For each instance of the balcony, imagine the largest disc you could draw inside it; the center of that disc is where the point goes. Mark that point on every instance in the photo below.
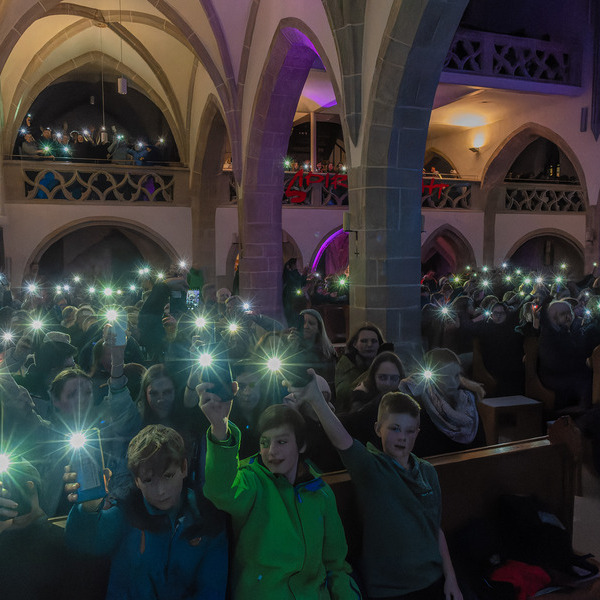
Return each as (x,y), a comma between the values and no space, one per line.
(56,182)
(504,61)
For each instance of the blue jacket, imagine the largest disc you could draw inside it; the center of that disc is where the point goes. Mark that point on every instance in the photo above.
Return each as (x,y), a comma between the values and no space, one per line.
(155,555)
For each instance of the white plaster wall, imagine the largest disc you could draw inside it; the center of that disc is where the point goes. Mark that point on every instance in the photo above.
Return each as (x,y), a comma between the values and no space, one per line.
(512,228)
(308,227)
(469,223)
(27,225)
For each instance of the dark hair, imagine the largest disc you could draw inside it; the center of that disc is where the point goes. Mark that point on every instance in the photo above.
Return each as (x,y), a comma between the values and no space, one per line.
(279,415)
(366,326)
(157,443)
(398,403)
(370,382)
(58,383)
(152,374)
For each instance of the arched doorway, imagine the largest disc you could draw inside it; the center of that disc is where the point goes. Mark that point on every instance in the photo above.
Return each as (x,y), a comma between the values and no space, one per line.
(108,252)
(446,251)
(332,255)
(546,252)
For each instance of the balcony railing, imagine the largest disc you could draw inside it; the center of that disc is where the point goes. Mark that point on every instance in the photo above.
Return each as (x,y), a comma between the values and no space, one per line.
(544,198)
(66,182)
(495,55)
(303,188)
(445,193)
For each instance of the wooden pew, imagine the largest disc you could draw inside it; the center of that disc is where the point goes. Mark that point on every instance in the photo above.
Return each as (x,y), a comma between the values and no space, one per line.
(473,480)
(533,386)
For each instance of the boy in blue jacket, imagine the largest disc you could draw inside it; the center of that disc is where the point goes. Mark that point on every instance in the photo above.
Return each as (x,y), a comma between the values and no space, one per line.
(165,542)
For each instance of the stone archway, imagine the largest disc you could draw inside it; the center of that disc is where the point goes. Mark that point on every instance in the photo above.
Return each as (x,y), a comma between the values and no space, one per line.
(544,250)
(493,186)
(446,250)
(90,243)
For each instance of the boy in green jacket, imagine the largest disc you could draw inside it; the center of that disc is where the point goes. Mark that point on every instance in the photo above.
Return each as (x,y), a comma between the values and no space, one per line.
(289,540)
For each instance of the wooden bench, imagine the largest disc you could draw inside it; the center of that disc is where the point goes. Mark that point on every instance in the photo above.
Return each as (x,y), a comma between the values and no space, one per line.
(472,481)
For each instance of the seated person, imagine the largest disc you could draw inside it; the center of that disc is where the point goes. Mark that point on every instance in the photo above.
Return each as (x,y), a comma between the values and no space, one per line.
(449,421)
(163,540)
(289,540)
(404,551)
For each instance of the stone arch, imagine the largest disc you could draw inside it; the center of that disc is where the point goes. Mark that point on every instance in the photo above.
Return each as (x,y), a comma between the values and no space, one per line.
(573,243)
(291,55)
(494,172)
(432,152)
(451,245)
(323,244)
(507,151)
(79,224)
(209,184)
(385,193)
(111,65)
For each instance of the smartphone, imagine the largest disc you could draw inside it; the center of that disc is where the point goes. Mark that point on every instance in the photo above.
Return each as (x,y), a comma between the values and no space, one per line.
(177,302)
(15,483)
(192,299)
(215,369)
(87,460)
(119,325)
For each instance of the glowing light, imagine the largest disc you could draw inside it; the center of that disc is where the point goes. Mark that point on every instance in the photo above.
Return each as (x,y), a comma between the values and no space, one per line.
(484,269)
(36,324)
(233,327)
(144,271)
(298,292)
(558,279)
(588,312)
(66,287)
(119,292)
(107,291)
(111,315)
(468,267)
(518,271)
(343,281)
(58,289)
(246,306)
(427,374)
(468,120)
(77,279)
(160,275)
(539,280)
(32,288)
(92,290)
(161,140)
(287,163)
(444,310)
(527,280)
(504,265)
(132,288)
(77,441)
(595,264)
(183,264)
(487,313)
(274,364)
(4,462)
(23,131)
(200,322)
(46,148)
(86,132)
(485,283)
(563,266)
(508,278)
(205,359)
(7,336)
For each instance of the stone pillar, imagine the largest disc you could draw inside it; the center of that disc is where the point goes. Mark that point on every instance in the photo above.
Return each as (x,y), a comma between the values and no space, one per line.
(385,273)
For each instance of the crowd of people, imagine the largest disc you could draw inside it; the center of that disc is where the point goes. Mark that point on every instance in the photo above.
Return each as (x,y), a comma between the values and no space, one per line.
(85,145)
(216,423)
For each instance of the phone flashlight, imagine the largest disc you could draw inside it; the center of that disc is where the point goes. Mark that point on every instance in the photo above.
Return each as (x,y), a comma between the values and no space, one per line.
(87,461)
(14,481)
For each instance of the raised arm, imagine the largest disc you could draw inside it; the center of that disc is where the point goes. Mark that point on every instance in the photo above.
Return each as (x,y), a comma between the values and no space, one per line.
(332,426)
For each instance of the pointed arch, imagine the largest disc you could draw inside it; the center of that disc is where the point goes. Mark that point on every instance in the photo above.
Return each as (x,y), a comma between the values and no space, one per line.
(451,244)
